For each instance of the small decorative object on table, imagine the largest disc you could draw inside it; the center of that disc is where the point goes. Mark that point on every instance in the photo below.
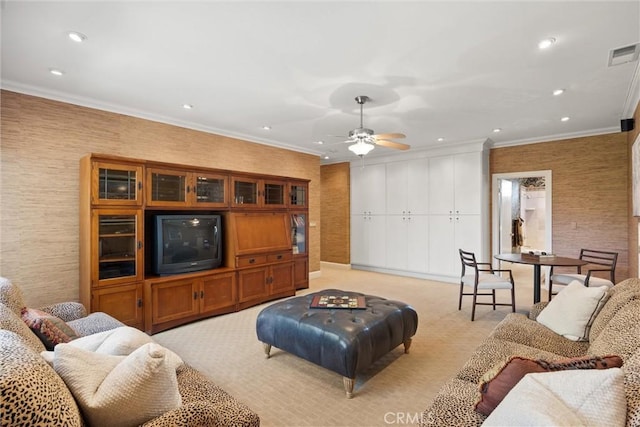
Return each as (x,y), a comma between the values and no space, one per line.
(338,301)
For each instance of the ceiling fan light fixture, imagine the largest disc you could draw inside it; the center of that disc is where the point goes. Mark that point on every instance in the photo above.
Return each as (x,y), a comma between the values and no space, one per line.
(361,148)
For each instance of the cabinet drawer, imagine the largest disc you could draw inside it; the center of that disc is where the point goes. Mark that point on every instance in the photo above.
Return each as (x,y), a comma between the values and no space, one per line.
(279,257)
(250,260)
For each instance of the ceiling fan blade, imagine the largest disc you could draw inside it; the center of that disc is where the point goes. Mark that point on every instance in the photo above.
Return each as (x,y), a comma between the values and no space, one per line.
(392,144)
(390,136)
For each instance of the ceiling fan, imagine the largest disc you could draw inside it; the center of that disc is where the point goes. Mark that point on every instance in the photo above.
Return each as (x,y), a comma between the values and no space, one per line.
(364,140)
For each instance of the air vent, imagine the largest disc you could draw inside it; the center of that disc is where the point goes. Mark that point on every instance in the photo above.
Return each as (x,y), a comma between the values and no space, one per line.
(625,54)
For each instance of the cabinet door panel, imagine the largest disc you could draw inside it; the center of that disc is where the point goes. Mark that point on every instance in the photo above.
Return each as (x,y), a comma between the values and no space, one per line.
(442,251)
(174,300)
(209,190)
(359,240)
(468,235)
(218,292)
(116,184)
(122,302)
(301,272)
(441,185)
(167,187)
(252,284)
(282,278)
(396,242)
(397,188)
(116,246)
(418,243)
(368,189)
(417,186)
(468,183)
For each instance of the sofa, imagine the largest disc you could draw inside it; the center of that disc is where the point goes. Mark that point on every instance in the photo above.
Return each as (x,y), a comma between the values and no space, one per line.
(32,379)
(613,329)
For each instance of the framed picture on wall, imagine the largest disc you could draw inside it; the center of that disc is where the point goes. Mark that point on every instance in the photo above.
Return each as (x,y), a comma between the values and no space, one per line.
(635,175)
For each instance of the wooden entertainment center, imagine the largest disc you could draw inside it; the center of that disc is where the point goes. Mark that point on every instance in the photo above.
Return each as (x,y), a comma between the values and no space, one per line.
(264,248)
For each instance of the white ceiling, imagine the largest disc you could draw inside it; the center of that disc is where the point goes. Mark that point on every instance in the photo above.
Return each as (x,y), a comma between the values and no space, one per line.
(453,69)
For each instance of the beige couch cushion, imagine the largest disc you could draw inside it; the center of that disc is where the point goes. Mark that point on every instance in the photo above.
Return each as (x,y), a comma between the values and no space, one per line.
(119,390)
(622,334)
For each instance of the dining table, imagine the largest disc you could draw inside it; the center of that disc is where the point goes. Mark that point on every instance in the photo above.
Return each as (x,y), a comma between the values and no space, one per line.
(538,261)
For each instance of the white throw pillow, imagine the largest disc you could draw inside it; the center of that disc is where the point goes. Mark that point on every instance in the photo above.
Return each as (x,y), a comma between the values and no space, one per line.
(593,397)
(119,391)
(120,341)
(573,310)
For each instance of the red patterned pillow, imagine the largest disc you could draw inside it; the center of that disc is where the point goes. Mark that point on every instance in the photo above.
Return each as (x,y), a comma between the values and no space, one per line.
(50,329)
(499,381)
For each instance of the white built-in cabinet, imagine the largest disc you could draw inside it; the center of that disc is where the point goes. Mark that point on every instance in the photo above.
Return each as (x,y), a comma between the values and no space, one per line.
(407,225)
(412,215)
(368,242)
(455,203)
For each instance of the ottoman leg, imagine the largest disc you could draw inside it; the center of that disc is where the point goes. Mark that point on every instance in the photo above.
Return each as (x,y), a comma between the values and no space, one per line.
(267,349)
(407,345)
(348,386)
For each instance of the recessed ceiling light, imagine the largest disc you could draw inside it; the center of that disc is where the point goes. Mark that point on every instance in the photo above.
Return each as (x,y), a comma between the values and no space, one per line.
(565,119)
(497,130)
(187,106)
(546,43)
(266,127)
(558,92)
(76,36)
(440,139)
(56,72)
(326,157)
(319,142)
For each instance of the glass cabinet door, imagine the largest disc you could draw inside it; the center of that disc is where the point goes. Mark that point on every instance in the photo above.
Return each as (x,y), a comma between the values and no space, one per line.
(210,189)
(244,192)
(299,233)
(298,194)
(116,184)
(166,187)
(117,257)
(273,193)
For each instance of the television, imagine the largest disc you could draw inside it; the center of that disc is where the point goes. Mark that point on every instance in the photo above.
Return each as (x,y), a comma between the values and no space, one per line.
(186,243)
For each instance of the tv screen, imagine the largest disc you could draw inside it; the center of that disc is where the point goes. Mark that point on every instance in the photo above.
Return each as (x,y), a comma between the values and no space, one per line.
(186,243)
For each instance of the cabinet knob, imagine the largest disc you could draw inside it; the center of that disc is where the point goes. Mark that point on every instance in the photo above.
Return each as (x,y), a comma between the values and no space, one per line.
(139,302)
(139,245)
(139,185)
(279,257)
(252,260)
(201,294)
(195,295)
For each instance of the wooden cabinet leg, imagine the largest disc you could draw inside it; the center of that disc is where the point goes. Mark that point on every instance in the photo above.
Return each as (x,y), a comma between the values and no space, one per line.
(348,386)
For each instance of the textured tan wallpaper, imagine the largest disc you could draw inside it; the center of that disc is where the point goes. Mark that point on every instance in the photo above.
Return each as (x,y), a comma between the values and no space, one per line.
(590,188)
(334,193)
(634,258)
(42,143)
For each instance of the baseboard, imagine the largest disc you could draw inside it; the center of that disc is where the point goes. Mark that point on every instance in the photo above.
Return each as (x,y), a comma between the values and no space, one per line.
(335,265)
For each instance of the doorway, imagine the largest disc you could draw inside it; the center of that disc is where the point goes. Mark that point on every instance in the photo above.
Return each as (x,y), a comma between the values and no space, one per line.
(521,214)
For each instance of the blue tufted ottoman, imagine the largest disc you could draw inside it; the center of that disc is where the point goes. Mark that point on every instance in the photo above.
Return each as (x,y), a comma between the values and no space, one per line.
(346,341)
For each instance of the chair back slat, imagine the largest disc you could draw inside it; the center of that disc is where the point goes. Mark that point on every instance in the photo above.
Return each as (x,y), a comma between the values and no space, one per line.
(601,259)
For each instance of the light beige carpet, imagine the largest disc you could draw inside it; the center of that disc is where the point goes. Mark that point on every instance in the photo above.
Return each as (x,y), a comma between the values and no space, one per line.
(287,391)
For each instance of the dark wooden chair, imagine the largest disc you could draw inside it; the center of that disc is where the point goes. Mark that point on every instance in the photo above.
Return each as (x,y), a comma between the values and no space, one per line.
(483,277)
(599,262)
